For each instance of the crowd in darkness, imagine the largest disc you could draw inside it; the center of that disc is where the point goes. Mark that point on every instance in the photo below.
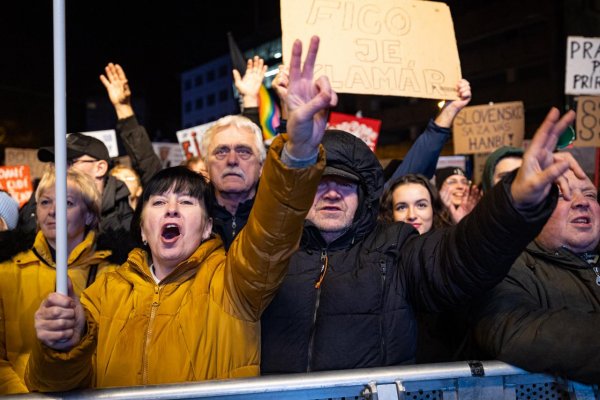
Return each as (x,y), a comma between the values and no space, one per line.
(298,257)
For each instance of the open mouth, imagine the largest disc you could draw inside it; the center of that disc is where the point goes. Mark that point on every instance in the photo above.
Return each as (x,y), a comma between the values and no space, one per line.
(170,231)
(581,220)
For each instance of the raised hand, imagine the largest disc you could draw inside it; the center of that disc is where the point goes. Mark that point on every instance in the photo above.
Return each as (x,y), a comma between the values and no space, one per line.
(470,199)
(541,166)
(249,85)
(280,84)
(60,321)
(117,87)
(451,108)
(308,102)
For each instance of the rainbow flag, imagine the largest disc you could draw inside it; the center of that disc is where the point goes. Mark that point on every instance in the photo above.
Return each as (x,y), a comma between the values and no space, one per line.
(268,113)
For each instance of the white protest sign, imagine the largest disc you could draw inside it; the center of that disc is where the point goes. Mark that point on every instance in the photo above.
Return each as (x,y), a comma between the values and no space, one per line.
(482,129)
(387,47)
(583,66)
(108,137)
(190,140)
(169,153)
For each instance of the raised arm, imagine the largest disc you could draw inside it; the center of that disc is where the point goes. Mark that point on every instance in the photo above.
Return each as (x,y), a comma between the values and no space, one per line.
(133,135)
(476,254)
(249,85)
(257,260)
(423,155)
(280,85)
(117,88)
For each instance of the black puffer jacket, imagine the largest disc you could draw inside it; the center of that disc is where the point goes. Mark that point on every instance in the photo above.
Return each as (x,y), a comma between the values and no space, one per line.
(362,314)
(545,315)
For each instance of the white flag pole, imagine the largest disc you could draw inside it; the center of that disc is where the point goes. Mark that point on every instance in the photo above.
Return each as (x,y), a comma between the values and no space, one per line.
(60,145)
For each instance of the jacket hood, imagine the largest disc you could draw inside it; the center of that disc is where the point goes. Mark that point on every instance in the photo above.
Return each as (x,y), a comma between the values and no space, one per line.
(487,179)
(346,152)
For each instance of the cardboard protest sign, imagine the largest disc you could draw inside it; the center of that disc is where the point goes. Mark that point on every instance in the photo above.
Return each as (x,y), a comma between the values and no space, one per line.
(190,140)
(17,156)
(583,66)
(588,122)
(386,47)
(482,129)
(366,129)
(109,138)
(16,180)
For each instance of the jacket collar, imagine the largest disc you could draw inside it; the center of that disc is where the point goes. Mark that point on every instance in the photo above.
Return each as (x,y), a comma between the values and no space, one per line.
(139,261)
(564,257)
(83,254)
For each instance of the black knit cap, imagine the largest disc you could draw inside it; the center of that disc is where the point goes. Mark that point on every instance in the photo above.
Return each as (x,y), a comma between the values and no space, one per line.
(444,173)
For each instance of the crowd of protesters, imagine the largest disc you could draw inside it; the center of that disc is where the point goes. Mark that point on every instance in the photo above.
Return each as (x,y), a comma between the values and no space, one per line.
(298,257)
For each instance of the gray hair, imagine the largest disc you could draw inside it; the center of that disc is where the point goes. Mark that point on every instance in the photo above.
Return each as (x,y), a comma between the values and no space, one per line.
(239,122)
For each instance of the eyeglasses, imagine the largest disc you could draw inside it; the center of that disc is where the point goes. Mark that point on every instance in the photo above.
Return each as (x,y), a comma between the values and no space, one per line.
(70,163)
(243,152)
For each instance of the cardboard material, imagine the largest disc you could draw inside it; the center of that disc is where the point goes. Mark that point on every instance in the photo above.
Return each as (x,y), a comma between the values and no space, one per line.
(482,129)
(386,47)
(588,122)
(582,74)
(366,129)
(190,140)
(16,180)
(18,156)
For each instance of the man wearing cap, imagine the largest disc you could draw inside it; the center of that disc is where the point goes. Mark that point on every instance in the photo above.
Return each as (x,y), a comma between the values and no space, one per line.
(349,297)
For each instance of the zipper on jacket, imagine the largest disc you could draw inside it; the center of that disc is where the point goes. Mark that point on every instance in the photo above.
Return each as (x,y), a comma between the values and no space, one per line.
(383,267)
(145,362)
(311,342)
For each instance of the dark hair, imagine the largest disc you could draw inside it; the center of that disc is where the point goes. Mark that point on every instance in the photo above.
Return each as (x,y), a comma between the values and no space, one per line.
(441,216)
(179,179)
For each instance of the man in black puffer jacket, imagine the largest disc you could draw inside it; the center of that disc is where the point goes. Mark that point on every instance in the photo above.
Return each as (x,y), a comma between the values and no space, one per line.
(349,297)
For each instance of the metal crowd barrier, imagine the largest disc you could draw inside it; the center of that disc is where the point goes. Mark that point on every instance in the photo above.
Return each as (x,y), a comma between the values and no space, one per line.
(445,381)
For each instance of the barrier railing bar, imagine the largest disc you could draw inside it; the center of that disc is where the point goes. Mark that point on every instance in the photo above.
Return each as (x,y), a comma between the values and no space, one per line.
(316,382)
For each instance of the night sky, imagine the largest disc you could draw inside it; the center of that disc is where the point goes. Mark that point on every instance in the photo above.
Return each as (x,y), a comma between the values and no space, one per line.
(153,41)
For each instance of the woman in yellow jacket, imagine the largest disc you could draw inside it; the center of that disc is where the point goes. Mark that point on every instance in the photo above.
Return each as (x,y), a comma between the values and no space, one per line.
(30,276)
(182,309)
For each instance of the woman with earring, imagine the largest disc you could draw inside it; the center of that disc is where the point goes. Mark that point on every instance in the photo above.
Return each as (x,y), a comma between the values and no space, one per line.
(30,276)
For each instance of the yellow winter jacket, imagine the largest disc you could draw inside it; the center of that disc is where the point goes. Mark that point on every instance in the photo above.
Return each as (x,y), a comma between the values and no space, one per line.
(200,322)
(25,281)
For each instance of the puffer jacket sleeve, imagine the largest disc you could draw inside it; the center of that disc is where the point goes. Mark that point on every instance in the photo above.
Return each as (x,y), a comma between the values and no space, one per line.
(10,382)
(258,258)
(447,267)
(423,155)
(511,325)
(139,148)
(49,370)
